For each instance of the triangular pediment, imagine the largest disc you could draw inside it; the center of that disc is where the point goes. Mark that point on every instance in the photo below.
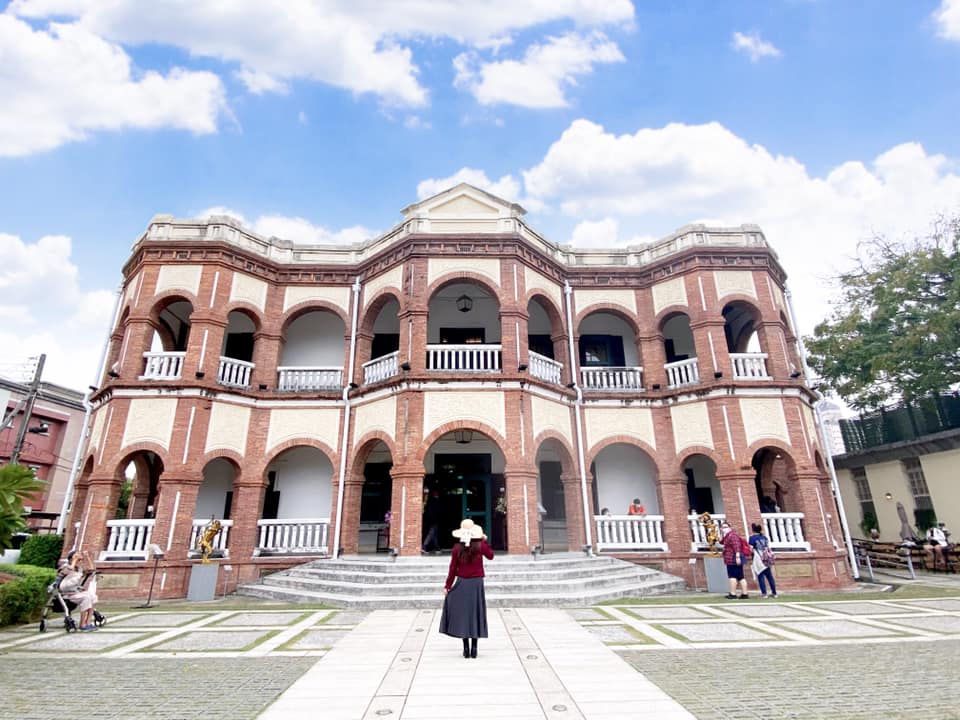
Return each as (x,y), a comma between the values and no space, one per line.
(465,205)
(464,201)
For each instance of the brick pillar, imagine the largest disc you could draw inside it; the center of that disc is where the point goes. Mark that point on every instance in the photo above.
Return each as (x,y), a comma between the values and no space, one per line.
(203,347)
(176,501)
(266,359)
(673,506)
(711,344)
(513,324)
(414,351)
(139,337)
(653,356)
(246,510)
(573,506)
(778,365)
(407,509)
(350,524)
(100,505)
(805,484)
(733,487)
(523,528)
(364,350)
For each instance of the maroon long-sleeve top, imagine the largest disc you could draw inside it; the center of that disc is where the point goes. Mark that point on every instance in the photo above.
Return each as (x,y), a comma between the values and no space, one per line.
(467,569)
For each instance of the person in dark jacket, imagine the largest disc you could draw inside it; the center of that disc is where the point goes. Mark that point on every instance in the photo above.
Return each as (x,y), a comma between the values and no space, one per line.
(431,521)
(733,558)
(464,603)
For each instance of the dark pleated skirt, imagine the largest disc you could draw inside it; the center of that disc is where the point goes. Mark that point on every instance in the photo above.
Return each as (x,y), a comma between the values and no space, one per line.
(465,610)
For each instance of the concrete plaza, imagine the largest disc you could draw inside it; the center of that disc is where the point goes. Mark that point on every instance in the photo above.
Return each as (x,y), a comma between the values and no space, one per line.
(856,658)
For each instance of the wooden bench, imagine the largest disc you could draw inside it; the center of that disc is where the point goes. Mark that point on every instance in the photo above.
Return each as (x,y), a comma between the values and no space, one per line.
(889,556)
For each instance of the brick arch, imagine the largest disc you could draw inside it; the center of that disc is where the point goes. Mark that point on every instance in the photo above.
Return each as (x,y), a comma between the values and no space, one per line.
(308,306)
(462,276)
(363,446)
(719,461)
(786,451)
(119,460)
(237,460)
(251,311)
(372,308)
(161,300)
(590,456)
(278,450)
(567,455)
(610,309)
(482,428)
(554,313)
(662,317)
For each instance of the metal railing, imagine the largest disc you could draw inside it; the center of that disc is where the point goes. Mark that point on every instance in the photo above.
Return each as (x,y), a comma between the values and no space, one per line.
(307,536)
(544,368)
(749,366)
(901,422)
(629,532)
(128,539)
(381,368)
(300,379)
(464,358)
(163,365)
(612,378)
(682,372)
(235,373)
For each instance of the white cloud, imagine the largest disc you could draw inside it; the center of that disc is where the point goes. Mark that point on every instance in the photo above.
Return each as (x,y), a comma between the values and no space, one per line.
(541,78)
(295,229)
(302,118)
(754,46)
(415,122)
(45,311)
(947,17)
(659,179)
(352,45)
(61,84)
(506,187)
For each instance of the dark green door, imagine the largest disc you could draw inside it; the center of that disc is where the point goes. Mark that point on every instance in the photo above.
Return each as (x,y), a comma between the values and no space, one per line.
(464,485)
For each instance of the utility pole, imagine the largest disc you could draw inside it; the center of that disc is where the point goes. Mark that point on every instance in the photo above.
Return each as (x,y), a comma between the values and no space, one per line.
(27,410)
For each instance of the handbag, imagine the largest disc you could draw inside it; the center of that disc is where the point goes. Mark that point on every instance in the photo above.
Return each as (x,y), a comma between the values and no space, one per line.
(767,556)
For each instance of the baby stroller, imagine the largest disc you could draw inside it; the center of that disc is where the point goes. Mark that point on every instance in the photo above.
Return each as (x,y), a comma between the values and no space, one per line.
(57,603)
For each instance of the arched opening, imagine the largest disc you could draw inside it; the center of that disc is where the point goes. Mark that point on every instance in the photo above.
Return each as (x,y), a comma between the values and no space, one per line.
(297,504)
(312,355)
(544,342)
(171,335)
(781,505)
(703,488)
(466,468)
(375,500)
(384,361)
(680,351)
(740,321)
(139,487)
(609,359)
(550,493)
(214,502)
(621,474)
(236,352)
(463,329)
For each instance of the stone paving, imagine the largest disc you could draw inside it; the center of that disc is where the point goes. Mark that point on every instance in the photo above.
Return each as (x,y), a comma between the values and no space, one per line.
(753,659)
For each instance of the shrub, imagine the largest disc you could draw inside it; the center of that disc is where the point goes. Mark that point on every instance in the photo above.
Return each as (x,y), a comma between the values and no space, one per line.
(22,599)
(41,551)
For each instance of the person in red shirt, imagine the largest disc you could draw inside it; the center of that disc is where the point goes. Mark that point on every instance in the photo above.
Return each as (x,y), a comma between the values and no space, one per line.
(733,557)
(464,603)
(636,508)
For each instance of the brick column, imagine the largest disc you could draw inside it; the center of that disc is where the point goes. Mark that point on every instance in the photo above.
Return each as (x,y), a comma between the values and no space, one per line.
(733,487)
(414,351)
(521,519)
(203,347)
(350,524)
(778,365)
(100,505)
(513,324)
(406,507)
(573,506)
(805,484)
(176,501)
(266,359)
(703,332)
(139,337)
(673,506)
(246,510)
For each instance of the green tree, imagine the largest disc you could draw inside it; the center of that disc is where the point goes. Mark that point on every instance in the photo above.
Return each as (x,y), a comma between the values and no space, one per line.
(894,332)
(17,483)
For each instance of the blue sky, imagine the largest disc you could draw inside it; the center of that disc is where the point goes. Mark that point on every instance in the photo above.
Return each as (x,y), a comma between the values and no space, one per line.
(612,122)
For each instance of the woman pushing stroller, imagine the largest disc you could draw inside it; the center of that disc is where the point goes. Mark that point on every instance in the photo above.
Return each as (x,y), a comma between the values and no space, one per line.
(73,572)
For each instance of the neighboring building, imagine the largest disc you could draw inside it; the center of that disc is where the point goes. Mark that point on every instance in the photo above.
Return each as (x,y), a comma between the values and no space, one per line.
(300,393)
(905,456)
(49,453)
(831,414)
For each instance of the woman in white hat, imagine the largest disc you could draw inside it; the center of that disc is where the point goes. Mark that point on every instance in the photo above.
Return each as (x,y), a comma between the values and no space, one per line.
(464,603)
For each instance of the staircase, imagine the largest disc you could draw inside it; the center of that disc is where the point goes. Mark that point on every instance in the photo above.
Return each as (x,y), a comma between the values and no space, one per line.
(378,582)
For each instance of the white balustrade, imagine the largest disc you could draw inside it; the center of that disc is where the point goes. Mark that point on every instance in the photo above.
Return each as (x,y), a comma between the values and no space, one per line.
(682,372)
(544,368)
(219,542)
(699,534)
(612,378)
(749,366)
(128,539)
(785,531)
(235,373)
(300,379)
(629,532)
(464,358)
(162,365)
(293,536)
(381,368)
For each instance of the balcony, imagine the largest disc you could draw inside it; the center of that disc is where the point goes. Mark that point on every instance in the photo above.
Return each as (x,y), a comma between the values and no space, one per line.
(612,378)
(543,368)
(749,366)
(381,368)
(163,365)
(682,373)
(234,373)
(128,539)
(306,379)
(624,533)
(464,358)
(293,537)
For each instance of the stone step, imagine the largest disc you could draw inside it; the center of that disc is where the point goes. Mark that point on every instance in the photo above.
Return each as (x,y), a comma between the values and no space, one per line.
(562,579)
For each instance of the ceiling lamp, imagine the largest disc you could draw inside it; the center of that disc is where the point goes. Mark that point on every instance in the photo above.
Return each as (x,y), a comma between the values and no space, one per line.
(462,437)
(464,303)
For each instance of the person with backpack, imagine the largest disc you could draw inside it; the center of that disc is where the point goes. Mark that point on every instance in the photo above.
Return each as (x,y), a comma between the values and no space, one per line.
(735,554)
(763,559)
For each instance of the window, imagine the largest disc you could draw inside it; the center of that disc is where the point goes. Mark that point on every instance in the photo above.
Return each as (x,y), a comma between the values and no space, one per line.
(917,483)
(862,487)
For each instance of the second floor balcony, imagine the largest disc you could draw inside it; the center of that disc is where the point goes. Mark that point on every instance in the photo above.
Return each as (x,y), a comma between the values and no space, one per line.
(464,358)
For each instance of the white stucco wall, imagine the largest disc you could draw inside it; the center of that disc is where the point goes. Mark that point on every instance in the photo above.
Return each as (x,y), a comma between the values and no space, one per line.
(622,473)
(606,324)
(304,478)
(217,481)
(315,339)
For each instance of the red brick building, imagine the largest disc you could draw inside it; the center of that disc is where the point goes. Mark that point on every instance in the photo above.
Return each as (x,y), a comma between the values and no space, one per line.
(300,393)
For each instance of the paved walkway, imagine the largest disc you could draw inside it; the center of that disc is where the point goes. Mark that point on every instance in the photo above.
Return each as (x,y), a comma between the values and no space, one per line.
(851,659)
